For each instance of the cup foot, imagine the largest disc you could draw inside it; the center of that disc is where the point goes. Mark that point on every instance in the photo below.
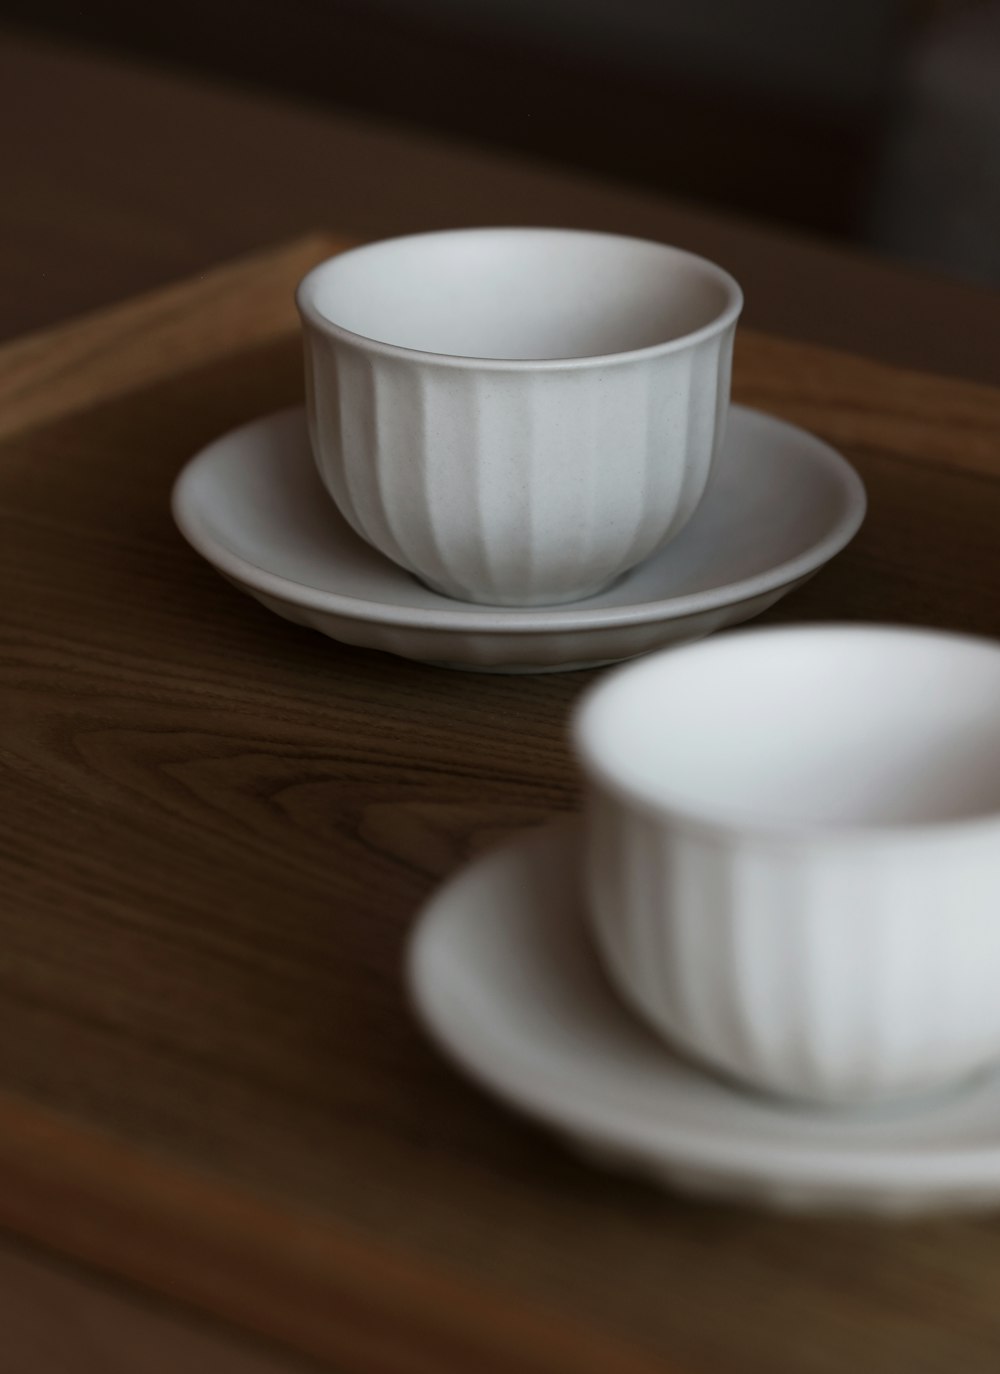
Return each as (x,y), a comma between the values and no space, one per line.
(518,603)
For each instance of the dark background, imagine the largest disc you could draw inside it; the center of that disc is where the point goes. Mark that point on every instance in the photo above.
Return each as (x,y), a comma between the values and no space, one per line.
(871,121)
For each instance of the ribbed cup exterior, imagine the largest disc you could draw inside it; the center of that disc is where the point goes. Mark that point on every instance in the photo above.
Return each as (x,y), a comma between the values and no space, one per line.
(839,970)
(516,486)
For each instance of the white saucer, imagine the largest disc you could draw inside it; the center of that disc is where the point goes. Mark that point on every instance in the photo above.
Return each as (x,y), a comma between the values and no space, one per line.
(780,505)
(502,975)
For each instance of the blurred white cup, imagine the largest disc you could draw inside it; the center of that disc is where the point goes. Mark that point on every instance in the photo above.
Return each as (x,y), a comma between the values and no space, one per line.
(793,854)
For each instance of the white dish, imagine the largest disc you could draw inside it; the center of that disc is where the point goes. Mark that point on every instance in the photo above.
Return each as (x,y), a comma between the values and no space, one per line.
(781,504)
(504,978)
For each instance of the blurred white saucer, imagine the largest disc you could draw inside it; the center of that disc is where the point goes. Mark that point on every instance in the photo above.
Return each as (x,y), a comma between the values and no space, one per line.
(503,977)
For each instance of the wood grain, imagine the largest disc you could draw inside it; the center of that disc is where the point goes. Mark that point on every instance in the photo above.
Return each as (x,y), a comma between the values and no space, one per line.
(216,830)
(857,402)
(319,1288)
(57,1319)
(57,371)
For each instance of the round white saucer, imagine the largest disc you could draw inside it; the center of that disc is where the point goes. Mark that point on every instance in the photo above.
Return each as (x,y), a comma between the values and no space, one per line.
(502,975)
(780,504)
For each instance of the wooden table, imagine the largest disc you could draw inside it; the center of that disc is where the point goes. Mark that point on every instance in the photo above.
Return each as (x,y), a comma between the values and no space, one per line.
(224,1146)
(217,828)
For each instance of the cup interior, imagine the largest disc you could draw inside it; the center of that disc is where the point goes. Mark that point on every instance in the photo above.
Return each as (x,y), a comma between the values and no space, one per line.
(528,294)
(806,727)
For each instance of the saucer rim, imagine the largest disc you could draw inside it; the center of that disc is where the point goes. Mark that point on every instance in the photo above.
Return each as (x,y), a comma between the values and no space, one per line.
(469,617)
(840,1172)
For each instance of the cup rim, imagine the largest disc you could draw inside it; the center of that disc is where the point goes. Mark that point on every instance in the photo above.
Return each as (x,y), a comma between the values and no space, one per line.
(311,314)
(600,772)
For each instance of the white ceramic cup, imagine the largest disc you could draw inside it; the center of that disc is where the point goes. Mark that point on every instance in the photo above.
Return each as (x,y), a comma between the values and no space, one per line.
(517,416)
(793,854)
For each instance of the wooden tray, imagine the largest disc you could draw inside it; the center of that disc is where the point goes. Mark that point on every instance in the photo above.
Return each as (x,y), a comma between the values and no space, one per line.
(216,829)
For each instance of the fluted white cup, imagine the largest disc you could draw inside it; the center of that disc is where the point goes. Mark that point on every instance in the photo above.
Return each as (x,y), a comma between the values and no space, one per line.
(793,854)
(517,416)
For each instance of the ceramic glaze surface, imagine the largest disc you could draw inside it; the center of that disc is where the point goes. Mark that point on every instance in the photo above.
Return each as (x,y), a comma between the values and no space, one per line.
(779,506)
(517,416)
(504,977)
(794,854)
